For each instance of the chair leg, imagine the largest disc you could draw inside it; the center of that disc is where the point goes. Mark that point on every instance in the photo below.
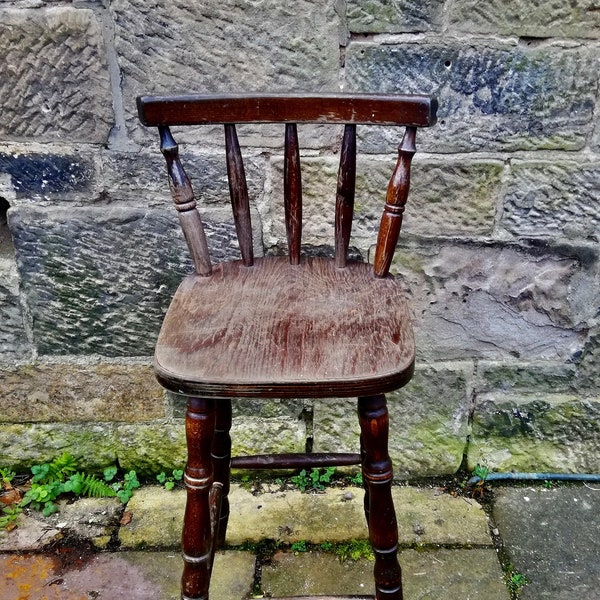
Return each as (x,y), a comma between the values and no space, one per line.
(364,480)
(221,458)
(377,472)
(197,539)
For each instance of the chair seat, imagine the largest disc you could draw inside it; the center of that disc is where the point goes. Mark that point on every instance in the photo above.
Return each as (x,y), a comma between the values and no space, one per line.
(278,330)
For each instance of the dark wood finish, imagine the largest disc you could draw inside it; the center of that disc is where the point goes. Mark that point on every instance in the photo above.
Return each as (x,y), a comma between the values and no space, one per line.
(183,197)
(397,195)
(197,109)
(292,186)
(297,328)
(344,205)
(221,459)
(377,472)
(197,533)
(291,332)
(238,190)
(295,461)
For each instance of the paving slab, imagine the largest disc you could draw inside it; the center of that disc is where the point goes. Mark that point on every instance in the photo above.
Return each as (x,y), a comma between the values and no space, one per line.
(425,516)
(449,574)
(552,536)
(118,576)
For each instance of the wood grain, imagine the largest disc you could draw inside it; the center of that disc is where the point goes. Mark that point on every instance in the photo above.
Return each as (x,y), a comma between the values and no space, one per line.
(197,109)
(277,330)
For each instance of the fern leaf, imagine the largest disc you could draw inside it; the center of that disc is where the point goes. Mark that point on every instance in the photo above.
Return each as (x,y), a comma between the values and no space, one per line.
(96,488)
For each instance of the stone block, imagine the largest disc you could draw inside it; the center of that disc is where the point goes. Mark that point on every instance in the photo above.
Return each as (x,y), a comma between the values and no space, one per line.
(152,447)
(157,446)
(497,301)
(39,177)
(538,19)
(428,423)
(536,433)
(502,97)
(455,198)
(558,198)
(69,393)
(512,376)
(391,16)
(25,444)
(142,177)
(588,369)
(55,77)
(13,338)
(225,45)
(98,280)
(551,536)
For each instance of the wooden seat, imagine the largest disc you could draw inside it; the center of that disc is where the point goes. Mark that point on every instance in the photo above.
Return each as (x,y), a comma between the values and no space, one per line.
(286,327)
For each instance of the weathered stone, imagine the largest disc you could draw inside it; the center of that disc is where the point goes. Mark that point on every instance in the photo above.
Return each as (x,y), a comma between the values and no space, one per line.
(156,519)
(160,445)
(226,45)
(232,576)
(142,177)
(450,199)
(93,519)
(510,376)
(98,280)
(55,82)
(41,177)
(254,407)
(451,574)
(553,198)
(150,448)
(259,435)
(502,97)
(31,534)
(391,16)
(13,339)
(541,19)
(497,301)
(588,372)
(536,432)
(551,536)
(428,423)
(24,445)
(76,393)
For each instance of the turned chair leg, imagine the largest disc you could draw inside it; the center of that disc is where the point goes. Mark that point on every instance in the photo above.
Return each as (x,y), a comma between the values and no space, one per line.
(197,540)
(221,458)
(377,473)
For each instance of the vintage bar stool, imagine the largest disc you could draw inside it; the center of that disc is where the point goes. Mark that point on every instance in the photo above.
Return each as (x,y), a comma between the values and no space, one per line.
(285,327)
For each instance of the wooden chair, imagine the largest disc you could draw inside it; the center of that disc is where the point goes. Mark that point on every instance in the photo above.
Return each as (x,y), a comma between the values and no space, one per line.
(285,327)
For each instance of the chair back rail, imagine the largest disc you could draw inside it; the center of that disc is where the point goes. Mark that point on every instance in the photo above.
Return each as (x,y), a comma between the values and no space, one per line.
(408,111)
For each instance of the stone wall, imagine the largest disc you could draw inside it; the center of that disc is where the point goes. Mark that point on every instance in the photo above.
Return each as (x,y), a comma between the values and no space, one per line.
(500,250)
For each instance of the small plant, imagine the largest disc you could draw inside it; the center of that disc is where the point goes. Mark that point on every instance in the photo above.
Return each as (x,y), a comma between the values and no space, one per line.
(514,580)
(298,547)
(481,472)
(9,515)
(313,480)
(356,479)
(354,550)
(326,546)
(169,480)
(60,476)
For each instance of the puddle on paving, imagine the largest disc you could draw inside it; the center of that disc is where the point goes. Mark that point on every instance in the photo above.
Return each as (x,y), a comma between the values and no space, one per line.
(73,574)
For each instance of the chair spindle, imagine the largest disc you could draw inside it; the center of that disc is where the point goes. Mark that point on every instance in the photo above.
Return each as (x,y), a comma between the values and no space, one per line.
(183,197)
(397,194)
(344,206)
(292,192)
(238,190)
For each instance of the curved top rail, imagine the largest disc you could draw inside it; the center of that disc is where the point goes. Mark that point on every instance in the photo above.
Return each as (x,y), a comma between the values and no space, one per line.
(379,109)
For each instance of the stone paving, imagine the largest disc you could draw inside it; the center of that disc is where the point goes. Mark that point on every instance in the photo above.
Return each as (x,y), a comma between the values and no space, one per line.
(450,547)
